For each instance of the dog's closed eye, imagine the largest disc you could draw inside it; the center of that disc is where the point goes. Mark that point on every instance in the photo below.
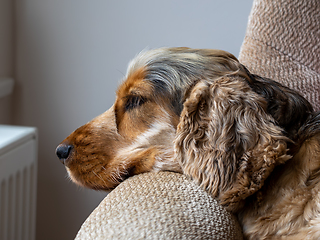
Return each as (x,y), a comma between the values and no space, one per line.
(134,101)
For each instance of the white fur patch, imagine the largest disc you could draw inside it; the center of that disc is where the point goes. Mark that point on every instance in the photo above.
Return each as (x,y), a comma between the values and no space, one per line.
(161,135)
(149,138)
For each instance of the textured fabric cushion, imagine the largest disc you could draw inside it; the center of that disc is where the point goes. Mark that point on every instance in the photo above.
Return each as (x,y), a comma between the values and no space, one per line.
(161,205)
(282,43)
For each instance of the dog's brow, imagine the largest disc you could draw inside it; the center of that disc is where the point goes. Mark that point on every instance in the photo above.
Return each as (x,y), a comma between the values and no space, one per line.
(136,92)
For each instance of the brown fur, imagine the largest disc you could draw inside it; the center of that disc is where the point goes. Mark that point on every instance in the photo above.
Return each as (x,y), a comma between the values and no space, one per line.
(228,133)
(249,141)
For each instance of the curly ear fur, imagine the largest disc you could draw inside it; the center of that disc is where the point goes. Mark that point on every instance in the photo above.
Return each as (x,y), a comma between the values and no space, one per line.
(226,141)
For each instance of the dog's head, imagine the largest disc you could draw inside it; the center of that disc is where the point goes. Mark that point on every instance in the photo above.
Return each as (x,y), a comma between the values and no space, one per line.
(194,111)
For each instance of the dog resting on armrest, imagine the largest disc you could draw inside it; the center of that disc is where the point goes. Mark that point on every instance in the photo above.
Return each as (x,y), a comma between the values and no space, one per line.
(249,141)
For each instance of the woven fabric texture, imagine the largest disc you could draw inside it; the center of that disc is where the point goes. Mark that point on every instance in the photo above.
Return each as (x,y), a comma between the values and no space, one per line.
(282,42)
(161,205)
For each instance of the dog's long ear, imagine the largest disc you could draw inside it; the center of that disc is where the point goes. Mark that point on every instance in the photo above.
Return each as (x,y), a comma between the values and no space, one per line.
(226,141)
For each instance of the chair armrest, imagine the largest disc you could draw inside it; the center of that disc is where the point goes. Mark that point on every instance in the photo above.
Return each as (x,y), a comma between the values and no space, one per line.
(161,205)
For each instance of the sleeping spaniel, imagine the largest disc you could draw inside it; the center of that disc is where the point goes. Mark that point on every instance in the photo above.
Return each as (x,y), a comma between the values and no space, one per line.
(249,141)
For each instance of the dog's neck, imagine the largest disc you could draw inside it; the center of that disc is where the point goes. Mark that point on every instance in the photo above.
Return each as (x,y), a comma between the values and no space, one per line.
(283,187)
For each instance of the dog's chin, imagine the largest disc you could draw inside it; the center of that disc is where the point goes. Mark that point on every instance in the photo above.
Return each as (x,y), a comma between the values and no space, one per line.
(96,181)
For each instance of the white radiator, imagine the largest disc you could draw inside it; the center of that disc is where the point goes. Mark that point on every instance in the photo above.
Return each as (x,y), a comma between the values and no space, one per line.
(18,176)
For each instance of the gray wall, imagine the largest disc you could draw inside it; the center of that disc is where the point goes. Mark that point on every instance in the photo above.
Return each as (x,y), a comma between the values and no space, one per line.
(6,55)
(68,56)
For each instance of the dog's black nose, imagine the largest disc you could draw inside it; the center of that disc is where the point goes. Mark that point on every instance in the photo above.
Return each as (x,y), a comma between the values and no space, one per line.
(63,152)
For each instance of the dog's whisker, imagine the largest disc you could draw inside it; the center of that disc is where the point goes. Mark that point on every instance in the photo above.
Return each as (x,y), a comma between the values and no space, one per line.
(98,176)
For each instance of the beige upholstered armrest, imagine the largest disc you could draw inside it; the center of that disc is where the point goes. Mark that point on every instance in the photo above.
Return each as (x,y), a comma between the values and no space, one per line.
(160,205)
(282,43)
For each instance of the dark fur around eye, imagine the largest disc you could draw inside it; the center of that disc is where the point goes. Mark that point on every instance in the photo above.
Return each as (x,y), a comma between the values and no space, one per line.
(133,102)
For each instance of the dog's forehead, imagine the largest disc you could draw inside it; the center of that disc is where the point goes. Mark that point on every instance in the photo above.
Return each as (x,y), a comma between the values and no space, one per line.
(144,58)
(135,84)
